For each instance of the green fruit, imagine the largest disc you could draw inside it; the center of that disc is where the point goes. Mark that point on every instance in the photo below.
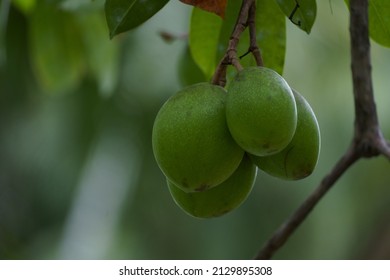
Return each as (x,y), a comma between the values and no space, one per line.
(191,142)
(260,110)
(221,199)
(189,72)
(300,157)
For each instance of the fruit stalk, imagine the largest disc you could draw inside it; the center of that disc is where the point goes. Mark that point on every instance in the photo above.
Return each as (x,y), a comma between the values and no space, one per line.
(230,57)
(253,47)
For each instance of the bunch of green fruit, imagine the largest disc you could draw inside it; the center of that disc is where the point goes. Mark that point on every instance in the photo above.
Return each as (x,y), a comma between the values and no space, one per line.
(273,123)
(208,142)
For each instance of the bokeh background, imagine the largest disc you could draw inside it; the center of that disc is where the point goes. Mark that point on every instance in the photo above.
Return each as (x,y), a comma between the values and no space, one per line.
(77,175)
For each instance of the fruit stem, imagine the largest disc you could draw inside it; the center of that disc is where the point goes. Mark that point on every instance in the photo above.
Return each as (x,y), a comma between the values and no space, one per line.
(230,57)
(253,47)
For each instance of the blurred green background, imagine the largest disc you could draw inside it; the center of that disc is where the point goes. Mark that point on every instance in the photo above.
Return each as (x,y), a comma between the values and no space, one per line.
(77,175)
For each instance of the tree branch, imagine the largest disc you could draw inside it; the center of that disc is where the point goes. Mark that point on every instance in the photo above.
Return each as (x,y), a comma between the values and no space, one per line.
(367,129)
(253,47)
(230,56)
(284,232)
(368,140)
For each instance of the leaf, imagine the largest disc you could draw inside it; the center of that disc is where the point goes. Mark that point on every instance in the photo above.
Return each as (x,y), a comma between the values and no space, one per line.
(204,34)
(300,12)
(271,34)
(379,21)
(209,37)
(217,7)
(56,48)
(124,15)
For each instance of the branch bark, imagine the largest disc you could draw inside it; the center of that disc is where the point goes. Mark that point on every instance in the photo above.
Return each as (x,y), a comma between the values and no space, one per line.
(367,131)
(281,235)
(230,56)
(367,141)
(245,18)
(254,48)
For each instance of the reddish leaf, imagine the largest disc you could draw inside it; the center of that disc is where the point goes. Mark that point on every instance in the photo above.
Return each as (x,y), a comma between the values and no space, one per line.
(215,6)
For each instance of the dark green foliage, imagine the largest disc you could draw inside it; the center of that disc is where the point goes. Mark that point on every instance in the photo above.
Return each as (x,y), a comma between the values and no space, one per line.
(124,15)
(300,12)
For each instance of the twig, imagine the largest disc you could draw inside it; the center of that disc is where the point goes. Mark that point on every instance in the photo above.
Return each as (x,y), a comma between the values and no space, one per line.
(367,141)
(284,232)
(230,56)
(253,47)
(291,17)
(367,129)
(170,37)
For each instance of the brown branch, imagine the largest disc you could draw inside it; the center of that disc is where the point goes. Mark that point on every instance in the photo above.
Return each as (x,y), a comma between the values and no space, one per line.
(284,232)
(230,56)
(368,140)
(366,120)
(253,47)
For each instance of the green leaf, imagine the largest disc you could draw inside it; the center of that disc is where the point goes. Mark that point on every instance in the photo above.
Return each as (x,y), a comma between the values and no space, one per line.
(379,21)
(209,37)
(123,15)
(56,48)
(271,34)
(204,35)
(300,12)
(231,14)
